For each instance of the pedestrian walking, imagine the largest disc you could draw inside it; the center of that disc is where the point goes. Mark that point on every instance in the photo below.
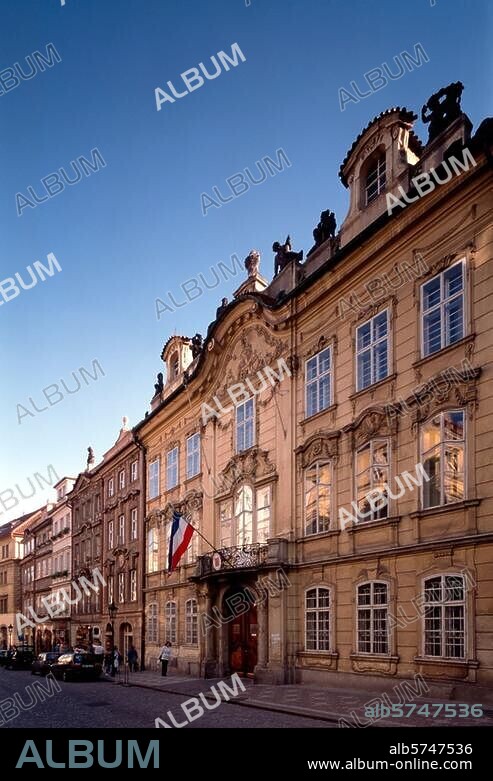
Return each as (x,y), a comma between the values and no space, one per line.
(117,660)
(132,657)
(164,657)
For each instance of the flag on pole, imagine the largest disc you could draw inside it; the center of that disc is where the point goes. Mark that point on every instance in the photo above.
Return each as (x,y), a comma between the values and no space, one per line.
(181,534)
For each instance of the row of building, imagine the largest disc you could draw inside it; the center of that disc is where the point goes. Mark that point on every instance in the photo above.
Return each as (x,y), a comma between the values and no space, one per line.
(379,348)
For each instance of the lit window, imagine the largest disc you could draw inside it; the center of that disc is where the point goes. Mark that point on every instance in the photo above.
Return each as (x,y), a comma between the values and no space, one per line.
(121,587)
(444,621)
(318,370)
(133,524)
(373,618)
(152,550)
(133,585)
(317,615)
(442,456)
(318,488)
(193,455)
(442,306)
(372,475)
(372,351)
(250,522)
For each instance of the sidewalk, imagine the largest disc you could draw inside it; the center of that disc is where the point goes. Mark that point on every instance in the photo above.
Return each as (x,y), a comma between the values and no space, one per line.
(325,704)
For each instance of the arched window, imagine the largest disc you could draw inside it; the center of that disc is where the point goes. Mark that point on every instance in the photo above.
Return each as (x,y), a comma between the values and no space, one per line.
(191,622)
(245,519)
(152,623)
(170,619)
(318,490)
(317,619)
(174,366)
(373,632)
(444,620)
(375,177)
(442,455)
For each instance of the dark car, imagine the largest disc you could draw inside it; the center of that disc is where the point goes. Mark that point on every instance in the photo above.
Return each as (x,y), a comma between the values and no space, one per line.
(43,664)
(21,659)
(77,665)
(4,657)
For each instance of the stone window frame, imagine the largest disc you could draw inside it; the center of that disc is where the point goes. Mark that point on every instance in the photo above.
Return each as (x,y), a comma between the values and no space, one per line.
(332,614)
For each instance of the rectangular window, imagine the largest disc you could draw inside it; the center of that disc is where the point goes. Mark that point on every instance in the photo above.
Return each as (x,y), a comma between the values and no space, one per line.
(372,618)
(133,524)
(191,622)
(444,620)
(372,351)
(318,491)
(111,591)
(225,516)
(152,623)
(372,476)
(121,529)
(193,455)
(3,605)
(172,468)
(245,423)
(152,550)
(133,585)
(154,479)
(111,487)
(121,479)
(318,381)
(170,618)
(376,179)
(111,542)
(263,513)
(121,587)
(133,471)
(442,309)
(442,455)
(317,613)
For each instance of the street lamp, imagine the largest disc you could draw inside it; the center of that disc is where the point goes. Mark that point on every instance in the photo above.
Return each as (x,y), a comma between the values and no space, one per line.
(10,630)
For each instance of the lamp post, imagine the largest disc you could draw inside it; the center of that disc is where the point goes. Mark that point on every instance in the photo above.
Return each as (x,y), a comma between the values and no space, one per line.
(112,610)
(10,630)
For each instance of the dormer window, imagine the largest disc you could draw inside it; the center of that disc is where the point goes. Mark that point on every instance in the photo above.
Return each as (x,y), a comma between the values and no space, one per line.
(174,366)
(376,178)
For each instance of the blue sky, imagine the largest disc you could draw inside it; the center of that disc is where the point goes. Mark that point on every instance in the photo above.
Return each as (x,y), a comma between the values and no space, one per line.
(134,230)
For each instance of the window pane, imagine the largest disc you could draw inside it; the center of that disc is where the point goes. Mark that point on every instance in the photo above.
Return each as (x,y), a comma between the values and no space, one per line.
(364,369)
(380,325)
(430,434)
(453,280)
(432,332)
(380,361)
(454,329)
(431,293)
(364,335)
(453,425)
(364,594)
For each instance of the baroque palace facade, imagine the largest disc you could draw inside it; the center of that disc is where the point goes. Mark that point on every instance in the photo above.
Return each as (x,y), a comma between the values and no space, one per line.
(380,384)
(328,439)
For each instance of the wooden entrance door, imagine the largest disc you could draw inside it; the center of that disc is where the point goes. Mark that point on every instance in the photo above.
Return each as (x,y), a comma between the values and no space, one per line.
(243,643)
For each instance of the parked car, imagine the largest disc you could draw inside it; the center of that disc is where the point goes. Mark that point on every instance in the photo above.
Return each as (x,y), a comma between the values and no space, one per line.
(21,659)
(4,657)
(44,663)
(77,665)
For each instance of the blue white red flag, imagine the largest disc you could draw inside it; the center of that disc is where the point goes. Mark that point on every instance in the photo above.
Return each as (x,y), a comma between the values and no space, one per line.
(181,534)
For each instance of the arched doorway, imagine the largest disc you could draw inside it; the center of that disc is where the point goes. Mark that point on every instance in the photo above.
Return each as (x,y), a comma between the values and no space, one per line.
(126,639)
(242,637)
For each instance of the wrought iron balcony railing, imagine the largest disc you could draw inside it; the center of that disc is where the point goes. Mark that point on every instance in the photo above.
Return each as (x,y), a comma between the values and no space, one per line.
(237,557)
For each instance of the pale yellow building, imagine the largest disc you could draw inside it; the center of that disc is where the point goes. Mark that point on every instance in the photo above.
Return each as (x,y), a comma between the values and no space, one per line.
(383,400)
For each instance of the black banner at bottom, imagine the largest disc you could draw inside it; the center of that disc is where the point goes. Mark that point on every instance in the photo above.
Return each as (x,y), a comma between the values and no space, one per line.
(305,752)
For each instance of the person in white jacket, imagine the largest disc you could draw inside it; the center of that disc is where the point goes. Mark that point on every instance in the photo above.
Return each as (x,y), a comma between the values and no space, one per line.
(164,657)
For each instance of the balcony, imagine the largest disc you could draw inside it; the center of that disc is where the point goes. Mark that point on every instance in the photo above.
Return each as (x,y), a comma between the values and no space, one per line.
(239,557)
